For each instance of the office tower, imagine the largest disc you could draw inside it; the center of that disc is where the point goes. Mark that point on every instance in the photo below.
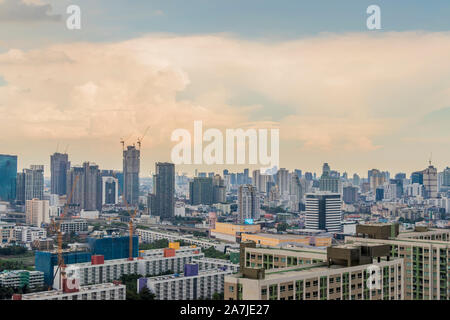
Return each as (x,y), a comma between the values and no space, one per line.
(8,175)
(379,193)
(151,204)
(248,203)
(295,189)
(131,167)
(110,190)
(298,173)
(308,176)
(430,182)
(33,182)
(326,169)
(165,190)
(446,177)
(417,177)
(400,176)
(87,193)
(350,194)
(219,191)
(270,188)
(201,191)
(323,211)
(20,188)
(92,196)
(246,177)
(225,172)
(356,180)
(59,164)
(329,183)
(256,176)
(37,212)
(398,186)
(283,181)
(376,178)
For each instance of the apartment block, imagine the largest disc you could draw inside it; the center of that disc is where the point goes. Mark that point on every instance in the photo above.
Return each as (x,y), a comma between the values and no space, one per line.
(146,236)
(349,273)
(197,285)
(104,291)
(74,225)
(21,278)
(103,271)
(426,270)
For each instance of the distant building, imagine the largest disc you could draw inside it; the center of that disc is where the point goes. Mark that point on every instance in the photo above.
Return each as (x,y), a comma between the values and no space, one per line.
(37,212)
(165,190)
(201,191)
(350,194)
(248,203)
(131,169)
(323,211)
(59,164)
(21,278)
(87,190)
(110,190)
(8,174)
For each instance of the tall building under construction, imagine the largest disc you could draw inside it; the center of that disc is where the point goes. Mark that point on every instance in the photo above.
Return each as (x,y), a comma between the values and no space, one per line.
(131,166)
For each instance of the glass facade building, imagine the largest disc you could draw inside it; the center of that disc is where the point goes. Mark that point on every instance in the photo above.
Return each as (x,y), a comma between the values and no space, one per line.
(8,174)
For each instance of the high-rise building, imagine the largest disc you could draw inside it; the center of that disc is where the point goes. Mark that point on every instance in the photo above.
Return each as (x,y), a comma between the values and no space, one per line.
(283,181)
(350,194)
(248,203)
(165,190)
(446,177)
(131,168)
(430,182)
(326,169)
(323,211)
(356,180)
(34,182)
(37,212)
(110,190)
(201,191)
(87,193)
(376,178)
(219,190)
(417,177)
(8,174)
(296,190)
(59,164)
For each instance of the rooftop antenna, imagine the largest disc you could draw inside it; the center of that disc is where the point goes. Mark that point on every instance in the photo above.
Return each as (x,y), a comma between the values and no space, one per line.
(431,156)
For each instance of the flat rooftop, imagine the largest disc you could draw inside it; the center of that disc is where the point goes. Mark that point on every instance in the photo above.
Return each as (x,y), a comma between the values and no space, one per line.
(55,293)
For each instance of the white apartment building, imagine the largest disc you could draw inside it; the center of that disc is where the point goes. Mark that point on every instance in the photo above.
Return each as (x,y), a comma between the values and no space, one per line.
(20,278)
(27,234)
(104,291)
(211,264)
(6,232)
(37,212)
(73,225)
(88,273)
(173,287)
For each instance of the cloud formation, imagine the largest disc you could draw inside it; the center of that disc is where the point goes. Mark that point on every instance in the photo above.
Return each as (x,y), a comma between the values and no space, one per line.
(341,95)
(26,11)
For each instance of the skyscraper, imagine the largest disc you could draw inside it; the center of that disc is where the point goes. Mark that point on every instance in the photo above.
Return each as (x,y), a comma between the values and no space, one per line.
(110,190)
(87,192)
(34,182)
(201,191)
(323,211)
(8,174)
(165,190)
(283,181)
(59,164)
(219,190)
(131,168)
(248,203)
(430,181)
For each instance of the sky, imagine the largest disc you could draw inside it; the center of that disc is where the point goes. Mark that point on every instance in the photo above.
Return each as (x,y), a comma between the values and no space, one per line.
(338,92)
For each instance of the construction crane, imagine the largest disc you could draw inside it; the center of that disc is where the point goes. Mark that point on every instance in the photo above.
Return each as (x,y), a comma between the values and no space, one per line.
(130,225)
(139,140)
(57,228)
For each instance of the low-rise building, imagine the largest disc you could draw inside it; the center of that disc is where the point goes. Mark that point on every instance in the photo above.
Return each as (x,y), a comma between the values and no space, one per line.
(21,278)
(73,225)
(188,286)
(104,291)
(274,240)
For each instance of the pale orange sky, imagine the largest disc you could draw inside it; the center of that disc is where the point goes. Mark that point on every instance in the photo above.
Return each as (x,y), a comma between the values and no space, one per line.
(357,101)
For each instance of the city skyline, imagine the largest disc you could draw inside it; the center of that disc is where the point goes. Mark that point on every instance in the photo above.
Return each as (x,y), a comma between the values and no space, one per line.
(335,90)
